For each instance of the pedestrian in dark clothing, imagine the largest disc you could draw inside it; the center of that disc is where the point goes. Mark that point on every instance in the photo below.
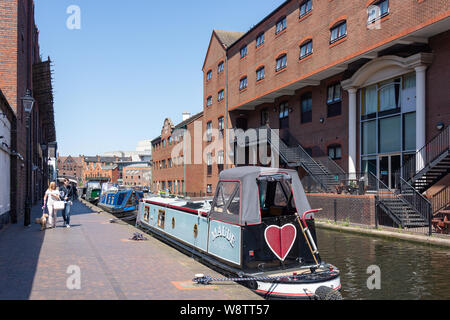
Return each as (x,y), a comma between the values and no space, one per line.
(67,194)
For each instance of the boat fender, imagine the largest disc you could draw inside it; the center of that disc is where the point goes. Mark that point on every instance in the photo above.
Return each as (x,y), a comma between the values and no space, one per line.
(326,293)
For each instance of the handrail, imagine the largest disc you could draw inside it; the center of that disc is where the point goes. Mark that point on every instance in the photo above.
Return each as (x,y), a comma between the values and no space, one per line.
(418,202)
(441,200)
(303,154)
(422,158)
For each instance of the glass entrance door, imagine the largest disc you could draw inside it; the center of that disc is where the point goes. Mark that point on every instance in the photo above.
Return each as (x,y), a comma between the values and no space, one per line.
(389,165)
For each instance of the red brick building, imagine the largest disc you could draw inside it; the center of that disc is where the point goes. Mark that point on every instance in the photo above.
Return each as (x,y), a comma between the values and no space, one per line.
(101,168)
(21,69)
(174,165)
(70,167)
(137,175)
(361,82)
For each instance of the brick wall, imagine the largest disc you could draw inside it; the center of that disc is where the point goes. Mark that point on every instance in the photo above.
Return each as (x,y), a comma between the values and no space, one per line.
(344,208)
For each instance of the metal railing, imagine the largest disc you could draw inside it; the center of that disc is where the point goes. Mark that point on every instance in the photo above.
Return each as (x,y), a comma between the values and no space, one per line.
(425,156)
(299,154)
(418,202)
(359,183)
(441,200)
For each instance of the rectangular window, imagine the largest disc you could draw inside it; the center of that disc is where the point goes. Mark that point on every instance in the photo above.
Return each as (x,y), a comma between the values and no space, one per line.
(243,83)
(284,115)
(209,164)
(209,131)
(209,75)
(335,152)
(390,134)
(220,95)
(221,124)
(305,8)
(306,49)
(334,100)
(281,63)
(209,102)
(260,40)
(209,188)
(306,105)
(220,67)
(370,105)
(281,25)
(409,129)
(260,74)
(243,52)
(377,11)
(369,137)
(338,32)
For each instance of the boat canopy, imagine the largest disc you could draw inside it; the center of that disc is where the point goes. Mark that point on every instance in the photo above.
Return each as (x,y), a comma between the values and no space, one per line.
(237,197)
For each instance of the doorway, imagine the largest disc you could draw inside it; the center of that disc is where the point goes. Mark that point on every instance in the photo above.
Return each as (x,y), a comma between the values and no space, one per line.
(388,166)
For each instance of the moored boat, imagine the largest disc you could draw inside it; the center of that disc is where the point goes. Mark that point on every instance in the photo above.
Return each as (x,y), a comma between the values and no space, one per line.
(116,200)
(259,228)
(93,190)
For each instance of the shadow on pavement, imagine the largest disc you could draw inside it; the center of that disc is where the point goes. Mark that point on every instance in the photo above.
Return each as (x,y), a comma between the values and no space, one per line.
(20,248)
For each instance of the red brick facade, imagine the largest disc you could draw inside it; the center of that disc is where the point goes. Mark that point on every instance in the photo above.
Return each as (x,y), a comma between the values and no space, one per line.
(415,33)
(19,54)
(174,165)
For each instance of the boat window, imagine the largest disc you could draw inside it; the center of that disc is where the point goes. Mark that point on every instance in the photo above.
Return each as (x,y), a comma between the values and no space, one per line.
(227,203)
(275,195)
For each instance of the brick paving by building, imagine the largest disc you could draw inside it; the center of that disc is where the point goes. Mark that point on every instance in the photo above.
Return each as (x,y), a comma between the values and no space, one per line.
(34,265)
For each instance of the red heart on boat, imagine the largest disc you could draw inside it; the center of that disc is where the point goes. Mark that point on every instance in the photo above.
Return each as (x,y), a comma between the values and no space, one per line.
(281,240)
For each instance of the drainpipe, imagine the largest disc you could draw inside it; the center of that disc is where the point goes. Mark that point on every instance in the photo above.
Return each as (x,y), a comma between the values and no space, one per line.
(226,151)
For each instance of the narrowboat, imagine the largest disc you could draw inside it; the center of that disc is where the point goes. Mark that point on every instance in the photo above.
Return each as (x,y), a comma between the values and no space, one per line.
(115,200)
(93,190)
(259,228)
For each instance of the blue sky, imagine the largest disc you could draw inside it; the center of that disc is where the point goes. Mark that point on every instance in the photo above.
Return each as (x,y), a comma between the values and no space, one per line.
(131,65)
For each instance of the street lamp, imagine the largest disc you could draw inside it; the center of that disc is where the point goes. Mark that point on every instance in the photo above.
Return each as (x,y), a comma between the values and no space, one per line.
(28,103)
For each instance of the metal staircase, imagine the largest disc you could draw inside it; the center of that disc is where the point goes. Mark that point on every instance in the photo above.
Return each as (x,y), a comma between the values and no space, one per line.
(430,164)
(406,207)
(295,156)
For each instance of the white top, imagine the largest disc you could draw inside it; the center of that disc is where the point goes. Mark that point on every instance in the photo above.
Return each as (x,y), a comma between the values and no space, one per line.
(52,196)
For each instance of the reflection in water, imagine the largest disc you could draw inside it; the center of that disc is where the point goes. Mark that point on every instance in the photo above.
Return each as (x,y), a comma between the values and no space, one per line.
(408,271)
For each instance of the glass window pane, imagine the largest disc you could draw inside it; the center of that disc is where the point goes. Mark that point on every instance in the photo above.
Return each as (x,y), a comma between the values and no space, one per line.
(410,131)
(369,137)
(370,100)
(390,134)
(387,96)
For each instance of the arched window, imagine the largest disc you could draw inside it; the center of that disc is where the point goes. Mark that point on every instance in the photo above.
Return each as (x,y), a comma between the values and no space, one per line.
(338,31)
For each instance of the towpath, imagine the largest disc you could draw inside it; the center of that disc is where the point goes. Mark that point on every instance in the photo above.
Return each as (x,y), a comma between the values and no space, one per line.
(95,260)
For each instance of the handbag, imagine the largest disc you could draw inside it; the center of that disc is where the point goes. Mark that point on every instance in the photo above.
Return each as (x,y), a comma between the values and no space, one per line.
(59,205)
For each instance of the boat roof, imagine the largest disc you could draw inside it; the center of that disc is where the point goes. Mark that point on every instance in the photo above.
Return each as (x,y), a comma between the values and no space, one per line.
(248,177)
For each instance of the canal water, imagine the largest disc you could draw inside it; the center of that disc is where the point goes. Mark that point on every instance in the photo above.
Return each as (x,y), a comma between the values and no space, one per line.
(408,271)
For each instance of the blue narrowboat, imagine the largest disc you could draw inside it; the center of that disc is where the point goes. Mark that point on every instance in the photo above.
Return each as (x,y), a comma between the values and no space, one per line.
(259,228)
(115,200)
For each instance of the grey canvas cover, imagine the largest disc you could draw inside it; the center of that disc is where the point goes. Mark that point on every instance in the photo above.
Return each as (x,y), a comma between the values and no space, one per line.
(250,213)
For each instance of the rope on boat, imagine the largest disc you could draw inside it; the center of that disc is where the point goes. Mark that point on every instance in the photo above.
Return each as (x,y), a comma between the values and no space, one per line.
(206,280)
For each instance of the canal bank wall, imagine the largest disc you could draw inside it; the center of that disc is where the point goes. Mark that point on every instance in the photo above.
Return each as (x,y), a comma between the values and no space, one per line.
(385,232)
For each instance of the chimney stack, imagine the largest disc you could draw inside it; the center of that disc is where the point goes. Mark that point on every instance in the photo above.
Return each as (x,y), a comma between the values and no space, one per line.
(186,115)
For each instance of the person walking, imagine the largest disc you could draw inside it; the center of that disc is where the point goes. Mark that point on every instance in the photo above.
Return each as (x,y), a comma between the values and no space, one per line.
(51,196)
(67,194)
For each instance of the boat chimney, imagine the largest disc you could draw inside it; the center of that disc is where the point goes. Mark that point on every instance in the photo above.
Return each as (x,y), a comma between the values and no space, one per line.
(186,115)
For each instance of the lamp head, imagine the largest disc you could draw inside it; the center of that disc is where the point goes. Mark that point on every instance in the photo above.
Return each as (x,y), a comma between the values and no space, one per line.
(28,101)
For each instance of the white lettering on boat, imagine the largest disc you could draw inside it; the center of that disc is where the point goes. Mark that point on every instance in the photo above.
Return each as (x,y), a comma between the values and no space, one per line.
(224,232)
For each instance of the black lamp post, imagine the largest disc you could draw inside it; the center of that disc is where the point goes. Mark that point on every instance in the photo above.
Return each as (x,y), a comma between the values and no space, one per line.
(28,103)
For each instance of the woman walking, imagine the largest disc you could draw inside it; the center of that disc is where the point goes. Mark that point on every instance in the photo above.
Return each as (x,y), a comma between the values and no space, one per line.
(51,196)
